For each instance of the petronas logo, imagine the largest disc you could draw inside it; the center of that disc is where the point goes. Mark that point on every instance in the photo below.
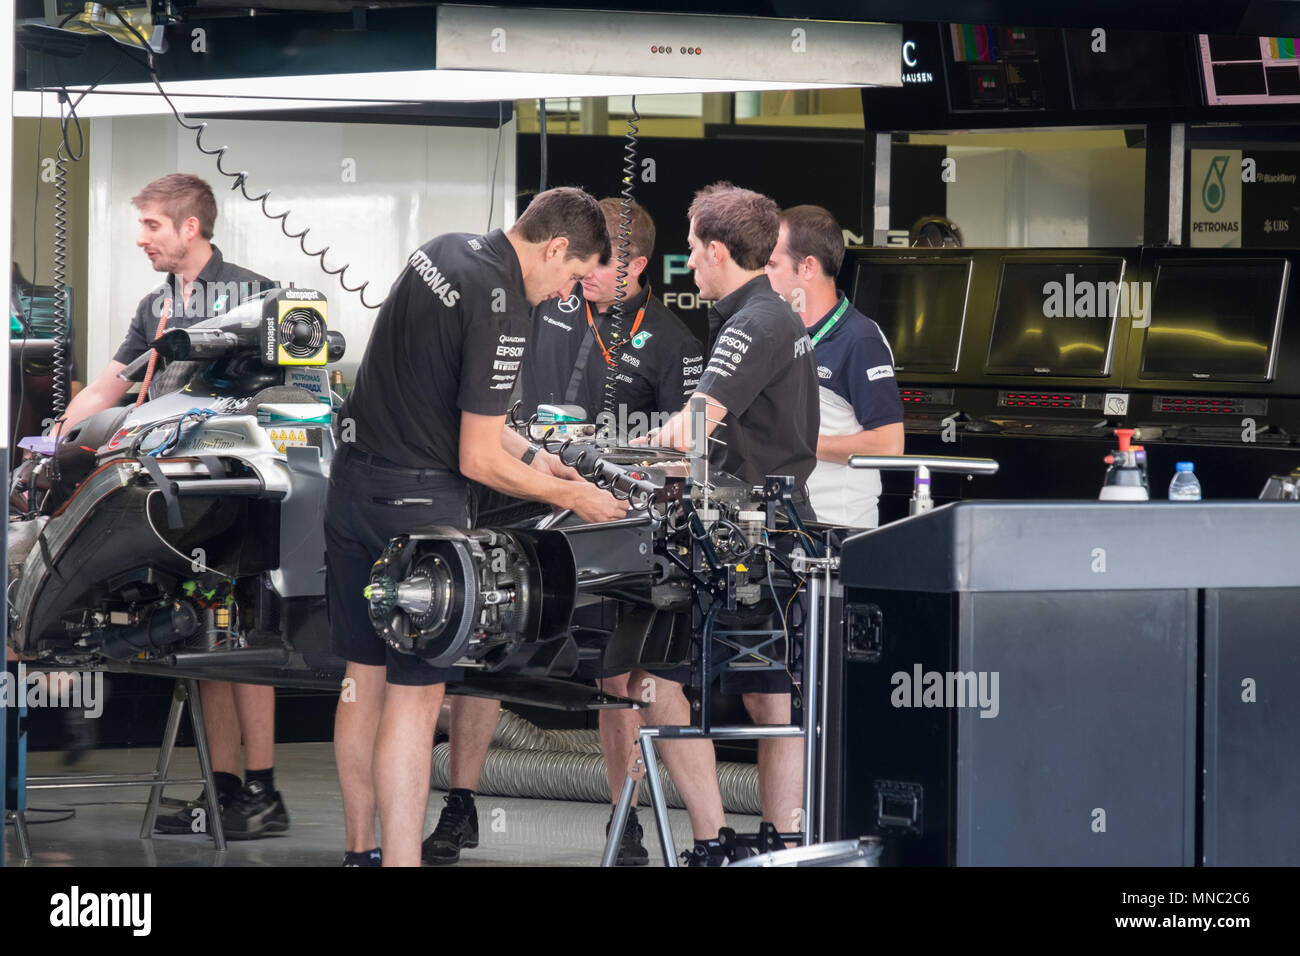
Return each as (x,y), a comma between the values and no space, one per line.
(640,339)
(1213,192)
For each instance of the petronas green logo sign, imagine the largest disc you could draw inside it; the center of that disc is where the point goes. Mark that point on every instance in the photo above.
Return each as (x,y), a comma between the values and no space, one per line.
(1213,192)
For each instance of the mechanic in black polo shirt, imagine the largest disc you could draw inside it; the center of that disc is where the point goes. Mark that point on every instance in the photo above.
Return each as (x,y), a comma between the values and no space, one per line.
(426,414)
(862,413)
(177,215)
(761,385)
(575,357)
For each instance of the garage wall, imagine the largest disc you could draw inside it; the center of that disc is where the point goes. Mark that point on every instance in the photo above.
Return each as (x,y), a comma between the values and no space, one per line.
(1048,197)
(372,193)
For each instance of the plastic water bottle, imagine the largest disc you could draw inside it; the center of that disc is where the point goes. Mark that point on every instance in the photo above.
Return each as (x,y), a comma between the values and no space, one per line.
(1184,487)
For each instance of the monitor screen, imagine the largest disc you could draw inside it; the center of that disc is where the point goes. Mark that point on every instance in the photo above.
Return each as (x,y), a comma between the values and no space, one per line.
(1215,319)
(1249,71)
(920,305)
(995,68)
(1056,317)
(1130,69)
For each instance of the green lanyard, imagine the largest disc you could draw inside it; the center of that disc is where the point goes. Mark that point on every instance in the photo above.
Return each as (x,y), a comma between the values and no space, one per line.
(830,323)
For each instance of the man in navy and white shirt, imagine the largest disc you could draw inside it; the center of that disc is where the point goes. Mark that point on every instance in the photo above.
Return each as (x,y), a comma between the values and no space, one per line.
(861,412)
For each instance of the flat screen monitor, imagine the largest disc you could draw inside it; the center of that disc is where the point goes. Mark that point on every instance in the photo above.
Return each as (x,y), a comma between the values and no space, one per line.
(995,68)
(920,305)
(1215,319)
(1250,71)
(1130,69)
(1056,317)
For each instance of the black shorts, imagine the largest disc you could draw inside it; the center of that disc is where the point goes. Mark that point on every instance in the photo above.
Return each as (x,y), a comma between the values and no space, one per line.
(358,526)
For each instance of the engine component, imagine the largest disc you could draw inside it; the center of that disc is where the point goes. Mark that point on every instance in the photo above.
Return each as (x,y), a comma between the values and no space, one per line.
(160,627)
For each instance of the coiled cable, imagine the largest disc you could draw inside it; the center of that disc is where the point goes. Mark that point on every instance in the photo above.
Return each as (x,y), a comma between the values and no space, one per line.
(241,178)
(624,244)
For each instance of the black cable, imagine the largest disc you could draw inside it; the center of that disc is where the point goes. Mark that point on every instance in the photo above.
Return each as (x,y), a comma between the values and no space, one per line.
(541,143)
(241,178)
(36,215)
(68,814)
(492,186)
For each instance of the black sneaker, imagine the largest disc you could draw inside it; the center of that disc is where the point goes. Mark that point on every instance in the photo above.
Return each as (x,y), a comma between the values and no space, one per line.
(186,819)
(630,850)
(716,852)
(457,830)
(254,813)
(373,857)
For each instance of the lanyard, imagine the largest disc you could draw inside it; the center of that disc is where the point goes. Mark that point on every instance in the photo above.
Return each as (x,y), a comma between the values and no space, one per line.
(830,323)
(636,325)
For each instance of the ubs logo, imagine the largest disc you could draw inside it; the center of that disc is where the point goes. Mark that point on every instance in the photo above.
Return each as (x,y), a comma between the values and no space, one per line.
(570,304)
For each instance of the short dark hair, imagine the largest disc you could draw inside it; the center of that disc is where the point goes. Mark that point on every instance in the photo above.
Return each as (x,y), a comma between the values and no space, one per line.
(641,230)
(567,213)
(813,231)
(181,196)
(744,221)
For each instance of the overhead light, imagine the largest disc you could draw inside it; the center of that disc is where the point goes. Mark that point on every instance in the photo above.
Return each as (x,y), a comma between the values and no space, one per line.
(353,89)
(782,52)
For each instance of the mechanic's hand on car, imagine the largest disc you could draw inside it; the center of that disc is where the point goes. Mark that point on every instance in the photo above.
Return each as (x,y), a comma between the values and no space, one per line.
(549,464)
(594,504)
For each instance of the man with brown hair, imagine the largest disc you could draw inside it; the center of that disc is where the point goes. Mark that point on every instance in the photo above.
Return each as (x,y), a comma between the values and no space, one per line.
(177,215)
(641,371)
(862,413)
(761,387)
(428,414)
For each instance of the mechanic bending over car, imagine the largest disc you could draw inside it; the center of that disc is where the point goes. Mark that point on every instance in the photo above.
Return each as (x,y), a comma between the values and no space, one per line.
(761,388)
(574,355)
(427,413)
(177,214)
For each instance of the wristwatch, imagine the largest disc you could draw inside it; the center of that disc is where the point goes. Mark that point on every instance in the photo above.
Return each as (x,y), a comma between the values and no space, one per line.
(528,456)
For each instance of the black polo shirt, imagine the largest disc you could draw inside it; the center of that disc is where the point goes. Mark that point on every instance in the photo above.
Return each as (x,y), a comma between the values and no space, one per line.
(761,368)
(449,338)
(218,288)
(657,364)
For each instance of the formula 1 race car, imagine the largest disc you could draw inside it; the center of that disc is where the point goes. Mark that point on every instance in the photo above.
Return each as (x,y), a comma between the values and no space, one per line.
(183,537)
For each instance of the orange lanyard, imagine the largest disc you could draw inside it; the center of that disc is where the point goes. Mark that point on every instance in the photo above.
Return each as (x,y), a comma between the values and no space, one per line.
(636,325)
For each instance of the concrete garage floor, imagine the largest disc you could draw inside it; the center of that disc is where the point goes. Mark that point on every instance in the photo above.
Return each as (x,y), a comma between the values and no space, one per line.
(105,830)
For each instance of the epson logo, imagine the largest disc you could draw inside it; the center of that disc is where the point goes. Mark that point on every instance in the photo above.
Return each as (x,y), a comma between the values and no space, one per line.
(510,350)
